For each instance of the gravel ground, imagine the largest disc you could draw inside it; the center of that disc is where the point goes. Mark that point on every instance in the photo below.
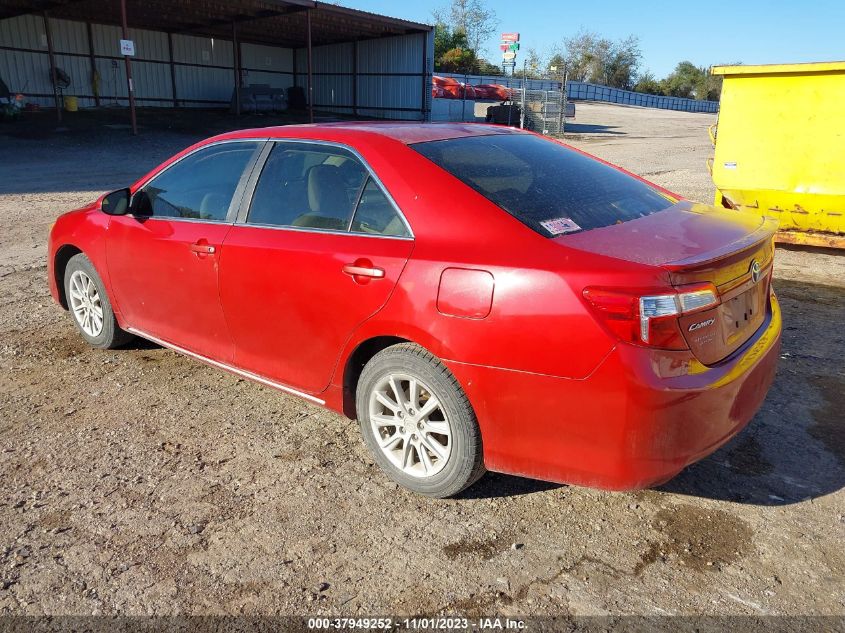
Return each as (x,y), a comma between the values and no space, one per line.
(140,482)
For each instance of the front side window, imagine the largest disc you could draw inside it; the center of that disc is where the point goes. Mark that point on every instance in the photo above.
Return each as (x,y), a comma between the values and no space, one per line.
(200,186)
(547,186)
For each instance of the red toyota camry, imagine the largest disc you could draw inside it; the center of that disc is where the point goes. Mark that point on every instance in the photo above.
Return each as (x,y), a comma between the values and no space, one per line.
(477,297)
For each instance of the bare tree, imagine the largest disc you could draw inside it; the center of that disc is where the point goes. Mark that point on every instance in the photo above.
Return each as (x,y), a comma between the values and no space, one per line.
(590,57)
(535,66)
(473,18)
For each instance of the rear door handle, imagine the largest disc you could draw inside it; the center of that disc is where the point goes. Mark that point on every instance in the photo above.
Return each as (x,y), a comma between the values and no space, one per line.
(205,249)
(363,271)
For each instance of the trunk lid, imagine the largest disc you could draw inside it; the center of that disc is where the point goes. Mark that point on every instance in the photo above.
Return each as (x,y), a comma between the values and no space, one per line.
(699,244)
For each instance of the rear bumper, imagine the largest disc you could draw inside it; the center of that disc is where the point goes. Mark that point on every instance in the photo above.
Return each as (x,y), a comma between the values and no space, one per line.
(636,421)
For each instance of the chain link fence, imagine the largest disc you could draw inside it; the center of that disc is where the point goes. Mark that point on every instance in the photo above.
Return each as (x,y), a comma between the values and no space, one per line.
(542,111)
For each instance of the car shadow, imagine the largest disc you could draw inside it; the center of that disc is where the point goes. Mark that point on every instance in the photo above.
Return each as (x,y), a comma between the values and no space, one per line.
(592,128)
(140,344)
(494,485)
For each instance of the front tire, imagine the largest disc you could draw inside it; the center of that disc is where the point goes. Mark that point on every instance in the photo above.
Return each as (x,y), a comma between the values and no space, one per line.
(90,307)
(418,423)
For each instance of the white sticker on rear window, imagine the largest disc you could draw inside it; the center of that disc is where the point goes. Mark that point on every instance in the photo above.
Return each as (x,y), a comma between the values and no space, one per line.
(559,226)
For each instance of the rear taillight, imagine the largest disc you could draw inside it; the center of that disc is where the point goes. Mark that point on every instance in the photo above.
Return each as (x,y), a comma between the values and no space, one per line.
(650,317)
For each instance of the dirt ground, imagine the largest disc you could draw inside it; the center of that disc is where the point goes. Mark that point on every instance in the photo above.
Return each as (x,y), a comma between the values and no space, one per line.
(141,482)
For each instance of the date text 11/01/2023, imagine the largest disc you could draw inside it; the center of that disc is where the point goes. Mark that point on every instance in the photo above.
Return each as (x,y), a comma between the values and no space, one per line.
(418,624)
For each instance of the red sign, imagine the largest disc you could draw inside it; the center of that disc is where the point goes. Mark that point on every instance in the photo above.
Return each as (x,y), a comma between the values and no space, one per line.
(510,37)
(504,47)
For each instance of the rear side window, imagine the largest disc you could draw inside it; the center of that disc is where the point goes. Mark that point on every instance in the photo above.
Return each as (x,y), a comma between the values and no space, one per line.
(547,186)
(309,186)
(200,186)
(375,215)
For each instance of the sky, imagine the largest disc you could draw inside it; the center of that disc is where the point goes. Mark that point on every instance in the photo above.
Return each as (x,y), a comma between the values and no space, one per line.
(705,32)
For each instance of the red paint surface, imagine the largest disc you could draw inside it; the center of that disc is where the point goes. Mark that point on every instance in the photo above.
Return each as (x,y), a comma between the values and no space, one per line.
(557,395)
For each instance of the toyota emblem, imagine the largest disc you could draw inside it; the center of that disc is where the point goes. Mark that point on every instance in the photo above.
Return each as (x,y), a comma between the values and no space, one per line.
(756,271)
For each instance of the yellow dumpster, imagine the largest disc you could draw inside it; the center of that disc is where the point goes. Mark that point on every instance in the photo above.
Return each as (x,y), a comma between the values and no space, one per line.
(780,147)
(71,103)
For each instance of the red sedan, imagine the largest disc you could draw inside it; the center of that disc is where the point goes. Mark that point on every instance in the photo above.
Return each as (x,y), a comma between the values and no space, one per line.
(477,297)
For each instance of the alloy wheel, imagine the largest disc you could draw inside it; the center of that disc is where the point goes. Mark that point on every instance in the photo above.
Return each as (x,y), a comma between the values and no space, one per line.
(85,303)
(410,425)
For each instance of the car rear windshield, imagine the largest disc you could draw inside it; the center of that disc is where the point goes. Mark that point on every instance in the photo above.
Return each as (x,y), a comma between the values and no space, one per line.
(549,187)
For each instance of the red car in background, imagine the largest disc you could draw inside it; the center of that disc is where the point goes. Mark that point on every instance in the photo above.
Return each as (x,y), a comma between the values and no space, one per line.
(557,318)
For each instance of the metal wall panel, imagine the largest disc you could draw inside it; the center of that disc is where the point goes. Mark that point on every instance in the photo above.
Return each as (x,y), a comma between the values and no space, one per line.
(390,91)
(69,36)
(77,68)
(334,58)
(29,73)
(402,54)
(148,44)
(391,78)
(26,73)
(26,31)
(203,86)
(334,91)
(152,80)
(203,51)
(266,65)
(266,58)
(112,81)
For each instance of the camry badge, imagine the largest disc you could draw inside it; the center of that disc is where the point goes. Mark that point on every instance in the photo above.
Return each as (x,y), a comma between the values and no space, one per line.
(701,324)
(756,270)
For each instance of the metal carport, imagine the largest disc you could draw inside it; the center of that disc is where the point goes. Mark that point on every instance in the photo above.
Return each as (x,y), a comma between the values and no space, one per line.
(193,53)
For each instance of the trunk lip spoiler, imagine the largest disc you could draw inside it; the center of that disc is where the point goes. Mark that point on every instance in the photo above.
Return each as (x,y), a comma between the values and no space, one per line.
(766,231)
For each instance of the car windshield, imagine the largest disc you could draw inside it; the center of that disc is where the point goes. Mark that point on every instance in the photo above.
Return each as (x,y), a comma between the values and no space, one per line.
(549,187)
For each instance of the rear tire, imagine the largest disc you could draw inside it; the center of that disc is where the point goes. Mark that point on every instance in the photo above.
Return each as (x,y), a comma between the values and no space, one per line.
(418,423)
(90,307)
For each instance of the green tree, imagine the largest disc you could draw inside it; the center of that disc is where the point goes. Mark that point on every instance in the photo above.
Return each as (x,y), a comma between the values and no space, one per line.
(486,67)
(684,81)
(710,86)
(446,39)
(452,54)
(458,60)
(648,84)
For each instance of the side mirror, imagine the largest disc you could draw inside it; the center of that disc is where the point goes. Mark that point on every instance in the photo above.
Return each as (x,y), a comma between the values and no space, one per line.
(116,203)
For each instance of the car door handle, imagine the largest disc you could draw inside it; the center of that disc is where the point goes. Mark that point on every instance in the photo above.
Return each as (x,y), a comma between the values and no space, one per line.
(363,271)
(205,249)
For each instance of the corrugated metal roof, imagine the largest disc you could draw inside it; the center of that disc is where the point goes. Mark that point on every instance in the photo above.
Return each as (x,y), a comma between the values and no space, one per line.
(276,22)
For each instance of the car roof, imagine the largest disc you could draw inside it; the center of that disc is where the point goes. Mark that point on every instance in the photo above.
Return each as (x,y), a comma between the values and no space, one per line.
(403,132)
